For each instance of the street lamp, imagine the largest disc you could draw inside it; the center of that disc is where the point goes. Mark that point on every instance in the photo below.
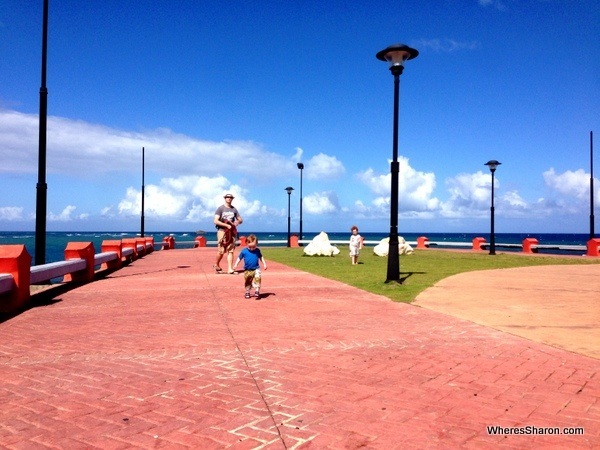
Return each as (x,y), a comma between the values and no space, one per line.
(41,201)
(395,55)
(289,190)
(492,164)
(301,167)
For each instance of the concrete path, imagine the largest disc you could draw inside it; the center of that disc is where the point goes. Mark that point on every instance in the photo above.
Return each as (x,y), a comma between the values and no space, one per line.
(165,353)
(556,305)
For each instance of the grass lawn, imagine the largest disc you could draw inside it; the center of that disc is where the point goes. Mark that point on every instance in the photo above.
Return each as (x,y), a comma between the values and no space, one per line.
(418,271)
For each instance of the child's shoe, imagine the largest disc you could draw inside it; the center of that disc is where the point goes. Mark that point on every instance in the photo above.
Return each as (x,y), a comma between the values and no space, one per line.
(257,294)
(247,295)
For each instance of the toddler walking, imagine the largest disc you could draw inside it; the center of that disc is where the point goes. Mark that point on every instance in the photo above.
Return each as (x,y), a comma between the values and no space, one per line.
(355,244)
(251,255)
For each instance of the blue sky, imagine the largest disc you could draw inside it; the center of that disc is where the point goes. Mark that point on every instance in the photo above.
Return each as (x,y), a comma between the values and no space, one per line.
(227,96)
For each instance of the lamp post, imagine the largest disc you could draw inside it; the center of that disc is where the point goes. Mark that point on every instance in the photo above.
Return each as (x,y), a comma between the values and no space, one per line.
(492,164)
(592,233)
(395,55)
(289,190)
(301,167)
(142,219)
(41,202)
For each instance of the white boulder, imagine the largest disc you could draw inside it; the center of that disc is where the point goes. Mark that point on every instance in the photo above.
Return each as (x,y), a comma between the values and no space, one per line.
(382,249)
(320,246)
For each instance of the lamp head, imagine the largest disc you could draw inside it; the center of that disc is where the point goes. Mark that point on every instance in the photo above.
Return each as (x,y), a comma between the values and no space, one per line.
(300,166)
(289,189)
(396,54)
(492,164)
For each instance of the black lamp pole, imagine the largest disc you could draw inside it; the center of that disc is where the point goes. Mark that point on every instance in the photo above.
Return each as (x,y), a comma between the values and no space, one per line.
(592,233)
(42,187)
(289,190)
(142,222)
(301,167)
(395,55)
(492,164)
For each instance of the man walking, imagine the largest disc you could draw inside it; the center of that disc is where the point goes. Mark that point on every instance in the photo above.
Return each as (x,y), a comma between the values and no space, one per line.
(227,218)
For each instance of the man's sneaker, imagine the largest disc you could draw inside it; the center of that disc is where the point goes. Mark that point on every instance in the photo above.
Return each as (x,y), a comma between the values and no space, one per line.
(247,295)
(256,294)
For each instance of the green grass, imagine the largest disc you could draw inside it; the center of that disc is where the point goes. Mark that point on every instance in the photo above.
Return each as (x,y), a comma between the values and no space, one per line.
(418,271)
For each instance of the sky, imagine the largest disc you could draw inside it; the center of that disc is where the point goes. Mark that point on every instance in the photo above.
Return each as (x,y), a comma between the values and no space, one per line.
(228,96)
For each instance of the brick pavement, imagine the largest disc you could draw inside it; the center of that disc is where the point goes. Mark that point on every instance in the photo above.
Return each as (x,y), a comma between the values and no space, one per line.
(165,353)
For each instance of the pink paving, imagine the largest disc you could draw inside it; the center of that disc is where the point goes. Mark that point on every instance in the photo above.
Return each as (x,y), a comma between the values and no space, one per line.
(165,353)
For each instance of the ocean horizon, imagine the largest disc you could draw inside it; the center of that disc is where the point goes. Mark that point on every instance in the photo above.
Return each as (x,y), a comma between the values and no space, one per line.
(56,241)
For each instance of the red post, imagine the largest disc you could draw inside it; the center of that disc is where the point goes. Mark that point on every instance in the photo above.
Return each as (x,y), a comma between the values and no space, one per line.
(200,241)
(132,244)
(477,243)
(294,241)
(528,243)
(15,260)
(593,247)
(149,244)
(422,242)
(113,246)
(242,241)
(81,250)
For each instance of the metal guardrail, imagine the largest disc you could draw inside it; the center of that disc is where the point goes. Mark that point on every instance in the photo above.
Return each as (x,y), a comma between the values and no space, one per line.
(50,271)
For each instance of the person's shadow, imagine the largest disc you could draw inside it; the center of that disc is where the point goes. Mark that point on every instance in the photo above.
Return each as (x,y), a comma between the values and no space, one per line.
(265,295)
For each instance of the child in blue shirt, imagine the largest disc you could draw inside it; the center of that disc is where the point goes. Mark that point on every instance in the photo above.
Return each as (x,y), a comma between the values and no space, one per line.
(251,255)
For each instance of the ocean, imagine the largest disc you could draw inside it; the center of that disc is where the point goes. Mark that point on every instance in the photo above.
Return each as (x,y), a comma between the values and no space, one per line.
(57,241)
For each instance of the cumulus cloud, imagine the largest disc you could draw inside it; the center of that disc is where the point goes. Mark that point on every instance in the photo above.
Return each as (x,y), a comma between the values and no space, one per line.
(66,215)
(11,213)
(570,183)
(322,166)
(415,189)
(77,147)
(188,199)
(322,203)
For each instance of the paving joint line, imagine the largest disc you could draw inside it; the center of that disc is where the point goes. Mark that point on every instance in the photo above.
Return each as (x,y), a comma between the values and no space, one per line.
(249,369)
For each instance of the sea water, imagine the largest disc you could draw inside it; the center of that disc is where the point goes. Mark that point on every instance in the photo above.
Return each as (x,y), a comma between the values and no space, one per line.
(56,242)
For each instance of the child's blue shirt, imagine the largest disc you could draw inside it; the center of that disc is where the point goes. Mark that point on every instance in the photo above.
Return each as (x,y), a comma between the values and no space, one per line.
(251,258)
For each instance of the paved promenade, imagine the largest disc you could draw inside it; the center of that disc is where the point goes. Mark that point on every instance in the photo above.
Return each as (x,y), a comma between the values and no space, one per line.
(165,353)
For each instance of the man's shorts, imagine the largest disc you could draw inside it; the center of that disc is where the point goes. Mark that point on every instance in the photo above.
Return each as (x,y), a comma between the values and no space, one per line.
(224,249)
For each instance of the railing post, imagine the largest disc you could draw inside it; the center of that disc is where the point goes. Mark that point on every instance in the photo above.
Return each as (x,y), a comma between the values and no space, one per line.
(149,244)
(15,260)
(113,246)
(593,247)
(80,250)
(422,242)
(294,241)
(200,241)
(132,244)
(477,242)
(528,243)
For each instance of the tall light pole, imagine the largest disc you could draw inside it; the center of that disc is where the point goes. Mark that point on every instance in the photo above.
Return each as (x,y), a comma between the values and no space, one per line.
(142,221)
(395,55)
(301,167)
(592,233)
(289,190)
(41,202)
(492,164)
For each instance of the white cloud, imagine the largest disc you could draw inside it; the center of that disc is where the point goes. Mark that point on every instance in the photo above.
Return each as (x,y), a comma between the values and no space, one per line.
(11,213)
(321,203)
(570,183)
(415,189)
(323,167)
(446,45)
(88,150)
(66,215)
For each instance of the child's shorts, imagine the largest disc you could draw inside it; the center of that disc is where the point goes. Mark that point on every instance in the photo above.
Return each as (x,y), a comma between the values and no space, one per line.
(252,278)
